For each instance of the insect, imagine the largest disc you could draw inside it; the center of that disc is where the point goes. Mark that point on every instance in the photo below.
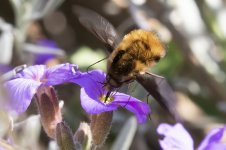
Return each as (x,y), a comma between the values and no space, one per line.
(130,58)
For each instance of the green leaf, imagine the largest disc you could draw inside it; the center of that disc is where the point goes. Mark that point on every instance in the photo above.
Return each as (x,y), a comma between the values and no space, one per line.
(127,133)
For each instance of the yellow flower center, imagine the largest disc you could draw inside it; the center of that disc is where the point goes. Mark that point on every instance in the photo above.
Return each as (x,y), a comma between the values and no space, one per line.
(43,80)
(103,99)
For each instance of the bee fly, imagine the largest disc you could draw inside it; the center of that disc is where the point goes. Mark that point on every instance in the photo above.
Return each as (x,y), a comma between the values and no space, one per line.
(130,58)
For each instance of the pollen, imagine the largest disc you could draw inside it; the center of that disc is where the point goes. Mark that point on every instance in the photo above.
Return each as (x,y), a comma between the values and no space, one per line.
(103,99)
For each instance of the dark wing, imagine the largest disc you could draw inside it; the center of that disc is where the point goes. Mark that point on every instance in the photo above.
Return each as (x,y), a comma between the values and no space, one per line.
(98,25)
(161,91)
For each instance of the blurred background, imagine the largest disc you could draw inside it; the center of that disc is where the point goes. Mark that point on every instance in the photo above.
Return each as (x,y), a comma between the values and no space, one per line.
(48,32)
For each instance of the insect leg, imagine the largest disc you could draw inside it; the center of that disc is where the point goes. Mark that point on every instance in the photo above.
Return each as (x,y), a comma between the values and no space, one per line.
(154,75)
(149,115)
(127,102)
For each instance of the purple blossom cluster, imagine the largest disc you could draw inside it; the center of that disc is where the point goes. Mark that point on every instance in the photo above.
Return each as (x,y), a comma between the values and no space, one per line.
(27,83)
(32,80)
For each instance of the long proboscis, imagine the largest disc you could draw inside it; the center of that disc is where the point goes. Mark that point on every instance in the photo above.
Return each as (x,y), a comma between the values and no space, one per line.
(87,70)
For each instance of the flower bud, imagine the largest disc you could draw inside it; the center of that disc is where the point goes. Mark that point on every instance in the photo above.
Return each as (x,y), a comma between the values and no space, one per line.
(64,137)
(83,136)
(100,127)
(49,110)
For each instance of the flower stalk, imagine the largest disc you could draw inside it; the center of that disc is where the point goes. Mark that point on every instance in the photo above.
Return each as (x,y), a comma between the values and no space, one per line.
(100,127)
(38,81)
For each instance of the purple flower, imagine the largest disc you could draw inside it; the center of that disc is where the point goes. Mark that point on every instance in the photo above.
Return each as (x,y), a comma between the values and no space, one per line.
(93,97)
(26,83)
(212,140)
(177,138)
(43,58)
(22,88)
(4,68)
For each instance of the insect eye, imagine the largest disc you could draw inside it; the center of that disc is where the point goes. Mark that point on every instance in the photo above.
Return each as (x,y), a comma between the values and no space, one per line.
(156,59)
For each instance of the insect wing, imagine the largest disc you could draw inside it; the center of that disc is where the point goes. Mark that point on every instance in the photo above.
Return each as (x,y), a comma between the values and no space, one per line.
(99,26)
(161,91)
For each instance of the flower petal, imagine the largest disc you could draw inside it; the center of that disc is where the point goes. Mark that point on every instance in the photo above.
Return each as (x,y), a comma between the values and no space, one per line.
(60,74)
(4,68)
(47,43)
(95,77)
(33,72)
(139,108)
(176,137)
(211,141)
(91,82)
(92,90)
(216,146)
(94,106)
(20,92)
